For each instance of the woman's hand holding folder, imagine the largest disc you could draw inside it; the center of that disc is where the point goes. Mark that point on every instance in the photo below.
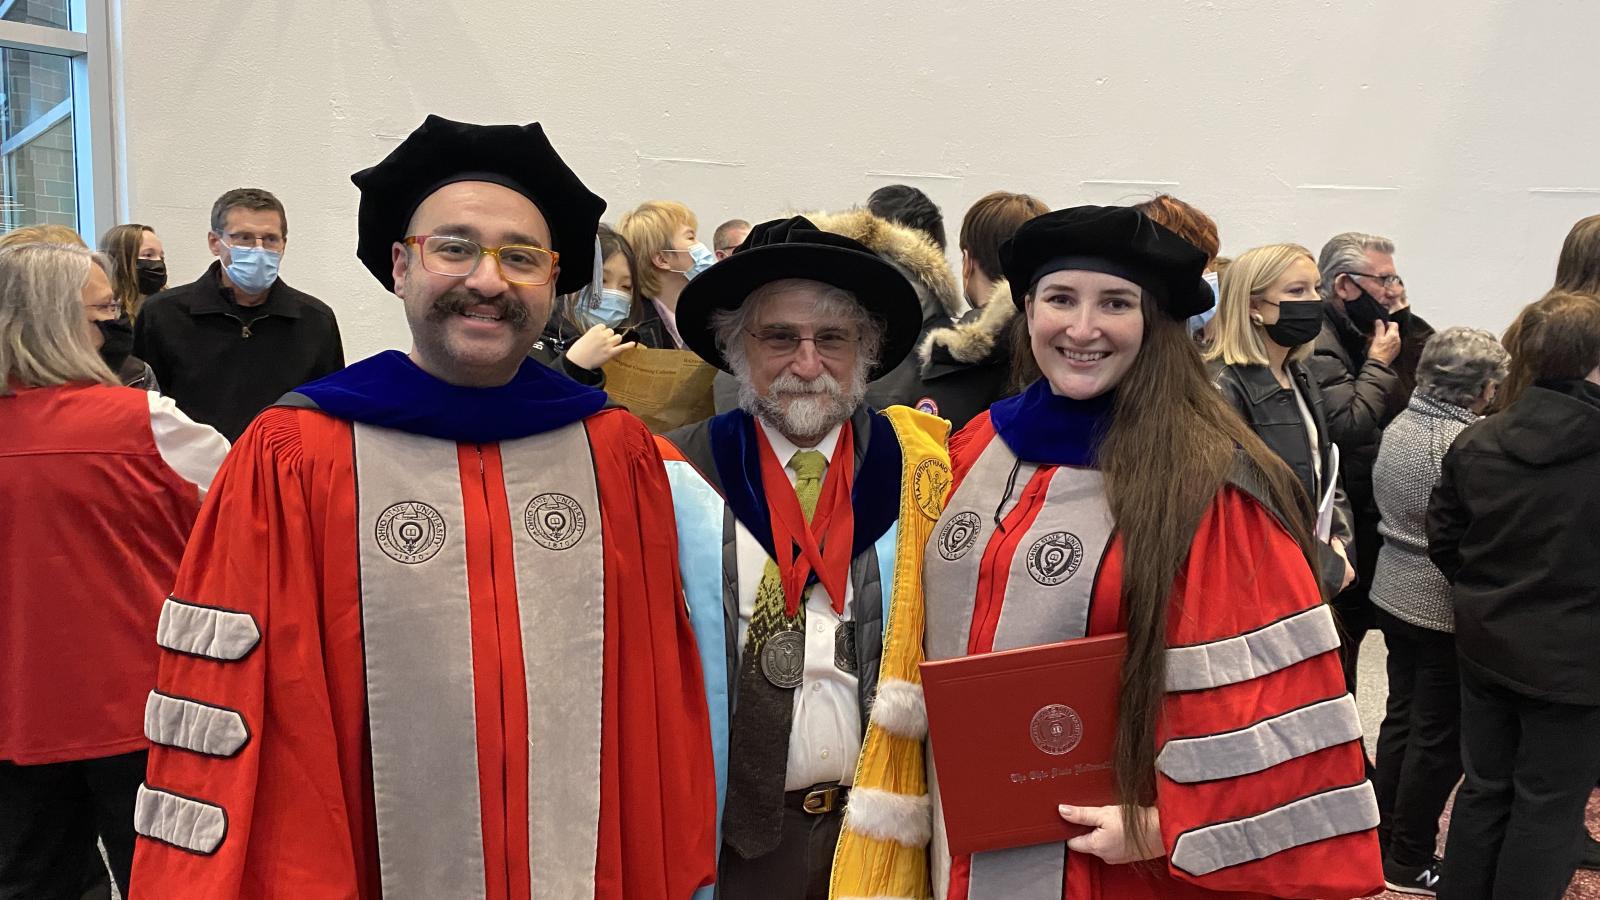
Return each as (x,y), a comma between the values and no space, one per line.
(1109,840)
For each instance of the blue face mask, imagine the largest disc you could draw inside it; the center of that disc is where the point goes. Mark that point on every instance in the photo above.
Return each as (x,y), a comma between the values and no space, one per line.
(703,259)
(253,269)
(1200,321)
(610,309)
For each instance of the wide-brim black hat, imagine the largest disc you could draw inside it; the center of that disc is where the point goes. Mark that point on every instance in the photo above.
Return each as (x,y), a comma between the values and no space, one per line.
(795,248)
(443,152)
(1115,240)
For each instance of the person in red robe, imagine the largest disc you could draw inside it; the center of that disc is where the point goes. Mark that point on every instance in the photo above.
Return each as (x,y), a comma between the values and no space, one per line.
(1118,493)
(429,637)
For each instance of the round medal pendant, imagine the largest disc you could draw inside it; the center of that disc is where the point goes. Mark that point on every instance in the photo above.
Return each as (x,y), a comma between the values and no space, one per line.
(844,648)
(783,659)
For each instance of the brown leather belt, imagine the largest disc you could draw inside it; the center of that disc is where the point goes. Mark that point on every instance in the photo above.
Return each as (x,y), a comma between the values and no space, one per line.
(819,799)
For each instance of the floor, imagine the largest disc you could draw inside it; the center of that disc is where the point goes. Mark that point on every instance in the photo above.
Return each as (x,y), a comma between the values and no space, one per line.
(1369,698)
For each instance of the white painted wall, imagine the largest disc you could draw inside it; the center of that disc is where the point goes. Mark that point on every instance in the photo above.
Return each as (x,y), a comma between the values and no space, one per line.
(1467,131)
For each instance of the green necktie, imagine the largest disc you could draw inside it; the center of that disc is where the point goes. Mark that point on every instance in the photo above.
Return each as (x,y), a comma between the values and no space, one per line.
(758,754)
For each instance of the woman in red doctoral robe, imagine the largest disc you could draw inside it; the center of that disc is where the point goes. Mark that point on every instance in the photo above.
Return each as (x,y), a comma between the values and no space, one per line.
(1118,493)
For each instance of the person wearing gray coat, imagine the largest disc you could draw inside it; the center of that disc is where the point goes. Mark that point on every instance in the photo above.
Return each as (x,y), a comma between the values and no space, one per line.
(1419,758)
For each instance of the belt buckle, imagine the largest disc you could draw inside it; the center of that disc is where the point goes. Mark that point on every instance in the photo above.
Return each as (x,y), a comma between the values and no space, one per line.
(819,802)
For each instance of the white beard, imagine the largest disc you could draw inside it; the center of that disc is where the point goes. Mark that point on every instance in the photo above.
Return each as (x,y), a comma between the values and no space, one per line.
(803,410)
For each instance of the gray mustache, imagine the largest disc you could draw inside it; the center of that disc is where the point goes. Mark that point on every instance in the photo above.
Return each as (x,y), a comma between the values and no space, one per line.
(790,384)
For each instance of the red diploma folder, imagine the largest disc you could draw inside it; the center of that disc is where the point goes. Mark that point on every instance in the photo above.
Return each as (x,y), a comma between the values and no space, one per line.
(1017,733)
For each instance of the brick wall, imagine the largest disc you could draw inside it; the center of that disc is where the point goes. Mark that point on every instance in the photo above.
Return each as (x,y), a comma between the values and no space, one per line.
(39,179)
(49,13)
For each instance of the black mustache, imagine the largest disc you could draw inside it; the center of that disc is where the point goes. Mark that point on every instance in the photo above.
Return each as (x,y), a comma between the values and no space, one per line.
(459,301)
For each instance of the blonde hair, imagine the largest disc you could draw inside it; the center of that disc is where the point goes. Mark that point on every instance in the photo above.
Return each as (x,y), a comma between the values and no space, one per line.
(42,234)
(1235,339)
(649,229)
(42,335)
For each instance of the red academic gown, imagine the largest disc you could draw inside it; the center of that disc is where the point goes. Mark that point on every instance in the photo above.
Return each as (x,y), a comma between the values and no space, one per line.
(1244,575)
(277,542)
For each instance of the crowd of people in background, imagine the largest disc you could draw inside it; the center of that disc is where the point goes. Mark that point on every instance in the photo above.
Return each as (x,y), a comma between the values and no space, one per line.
(1446,480)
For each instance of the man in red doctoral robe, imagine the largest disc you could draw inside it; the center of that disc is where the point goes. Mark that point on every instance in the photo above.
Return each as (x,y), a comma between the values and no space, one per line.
(429,638)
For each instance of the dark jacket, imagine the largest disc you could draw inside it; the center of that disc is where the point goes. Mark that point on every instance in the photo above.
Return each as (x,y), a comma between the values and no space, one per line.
(551,349)
(648,329)
(223,363)
(1273,414)
(967,366)
(1512,526)
(116,349)
(1362,396)
(136,373)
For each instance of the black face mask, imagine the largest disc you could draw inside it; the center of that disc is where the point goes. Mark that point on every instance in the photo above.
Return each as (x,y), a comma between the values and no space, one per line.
(152,275)
(1298,323)
(1365,311)
(118,334)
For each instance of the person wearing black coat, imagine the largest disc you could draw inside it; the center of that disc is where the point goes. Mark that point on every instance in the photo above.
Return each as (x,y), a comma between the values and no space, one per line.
(1267,316)
(966,366)
(1511,525)
(223,362)
(1365,362)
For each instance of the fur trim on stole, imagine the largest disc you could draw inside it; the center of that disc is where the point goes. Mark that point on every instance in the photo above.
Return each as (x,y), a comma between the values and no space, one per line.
(886,816)
(900,709)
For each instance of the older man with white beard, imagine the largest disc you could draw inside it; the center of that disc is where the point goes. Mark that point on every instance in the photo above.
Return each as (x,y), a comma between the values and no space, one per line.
(803,515)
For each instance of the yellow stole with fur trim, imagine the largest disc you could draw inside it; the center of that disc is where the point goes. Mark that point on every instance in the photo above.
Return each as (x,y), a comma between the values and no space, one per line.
(883,846)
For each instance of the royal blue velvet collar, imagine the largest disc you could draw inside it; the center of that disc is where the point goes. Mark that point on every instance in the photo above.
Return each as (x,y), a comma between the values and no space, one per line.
(1042,427)
(392,391)
(874,495)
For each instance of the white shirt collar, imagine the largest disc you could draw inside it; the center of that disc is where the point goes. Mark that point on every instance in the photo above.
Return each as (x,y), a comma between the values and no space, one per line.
(785,449)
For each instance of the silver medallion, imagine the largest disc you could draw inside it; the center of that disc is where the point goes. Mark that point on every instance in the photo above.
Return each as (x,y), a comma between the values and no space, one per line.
(844,648)
(783,659)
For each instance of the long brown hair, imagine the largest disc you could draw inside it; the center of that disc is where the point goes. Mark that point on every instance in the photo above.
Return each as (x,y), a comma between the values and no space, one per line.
(1578,269)
(1556,336)
(1171,446)
(121,244)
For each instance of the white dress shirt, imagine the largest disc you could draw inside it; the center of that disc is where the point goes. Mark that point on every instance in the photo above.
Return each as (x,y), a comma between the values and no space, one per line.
(826,737)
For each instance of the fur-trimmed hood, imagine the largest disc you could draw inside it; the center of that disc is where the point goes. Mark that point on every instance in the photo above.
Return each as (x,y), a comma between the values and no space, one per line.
(913,254)
(973,339)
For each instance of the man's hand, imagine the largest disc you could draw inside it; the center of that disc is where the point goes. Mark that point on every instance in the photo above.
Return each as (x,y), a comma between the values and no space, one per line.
(1108,840)
(1349,570)
(598,346)
(1385,342)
